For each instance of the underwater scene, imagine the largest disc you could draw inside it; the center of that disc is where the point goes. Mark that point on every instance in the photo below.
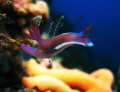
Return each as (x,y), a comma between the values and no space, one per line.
(59,46)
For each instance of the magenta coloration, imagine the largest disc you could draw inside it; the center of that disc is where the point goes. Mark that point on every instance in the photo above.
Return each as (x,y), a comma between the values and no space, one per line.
(50,47)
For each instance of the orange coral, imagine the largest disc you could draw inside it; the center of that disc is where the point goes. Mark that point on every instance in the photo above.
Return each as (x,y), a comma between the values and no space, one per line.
(37,8)
(20,6)
(105,76)
(74,77)
(44,83)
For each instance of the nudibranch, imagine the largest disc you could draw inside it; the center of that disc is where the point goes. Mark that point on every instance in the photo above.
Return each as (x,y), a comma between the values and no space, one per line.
(50,47)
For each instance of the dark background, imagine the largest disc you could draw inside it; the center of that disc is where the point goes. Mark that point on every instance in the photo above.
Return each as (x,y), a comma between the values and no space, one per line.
(105,16)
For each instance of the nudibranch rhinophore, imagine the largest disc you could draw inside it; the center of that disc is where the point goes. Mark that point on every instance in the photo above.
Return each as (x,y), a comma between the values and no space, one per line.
(50,47)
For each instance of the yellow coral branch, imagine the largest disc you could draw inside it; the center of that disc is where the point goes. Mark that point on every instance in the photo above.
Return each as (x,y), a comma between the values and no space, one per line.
(44,83)
(104,75)
(71,77)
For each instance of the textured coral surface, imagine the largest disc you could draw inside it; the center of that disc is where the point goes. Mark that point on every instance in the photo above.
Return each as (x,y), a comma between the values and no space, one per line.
(93,82)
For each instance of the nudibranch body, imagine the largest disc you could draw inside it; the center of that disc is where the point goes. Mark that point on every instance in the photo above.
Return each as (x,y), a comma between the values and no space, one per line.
(50,47)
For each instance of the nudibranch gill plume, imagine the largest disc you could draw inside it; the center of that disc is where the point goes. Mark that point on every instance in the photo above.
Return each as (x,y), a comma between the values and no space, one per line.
(51,46)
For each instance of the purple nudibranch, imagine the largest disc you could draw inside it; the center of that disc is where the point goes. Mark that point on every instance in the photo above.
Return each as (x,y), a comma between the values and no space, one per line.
(50,47)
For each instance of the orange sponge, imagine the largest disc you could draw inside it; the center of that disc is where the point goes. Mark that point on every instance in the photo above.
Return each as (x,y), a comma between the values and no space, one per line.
(44,83)
(74,77)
